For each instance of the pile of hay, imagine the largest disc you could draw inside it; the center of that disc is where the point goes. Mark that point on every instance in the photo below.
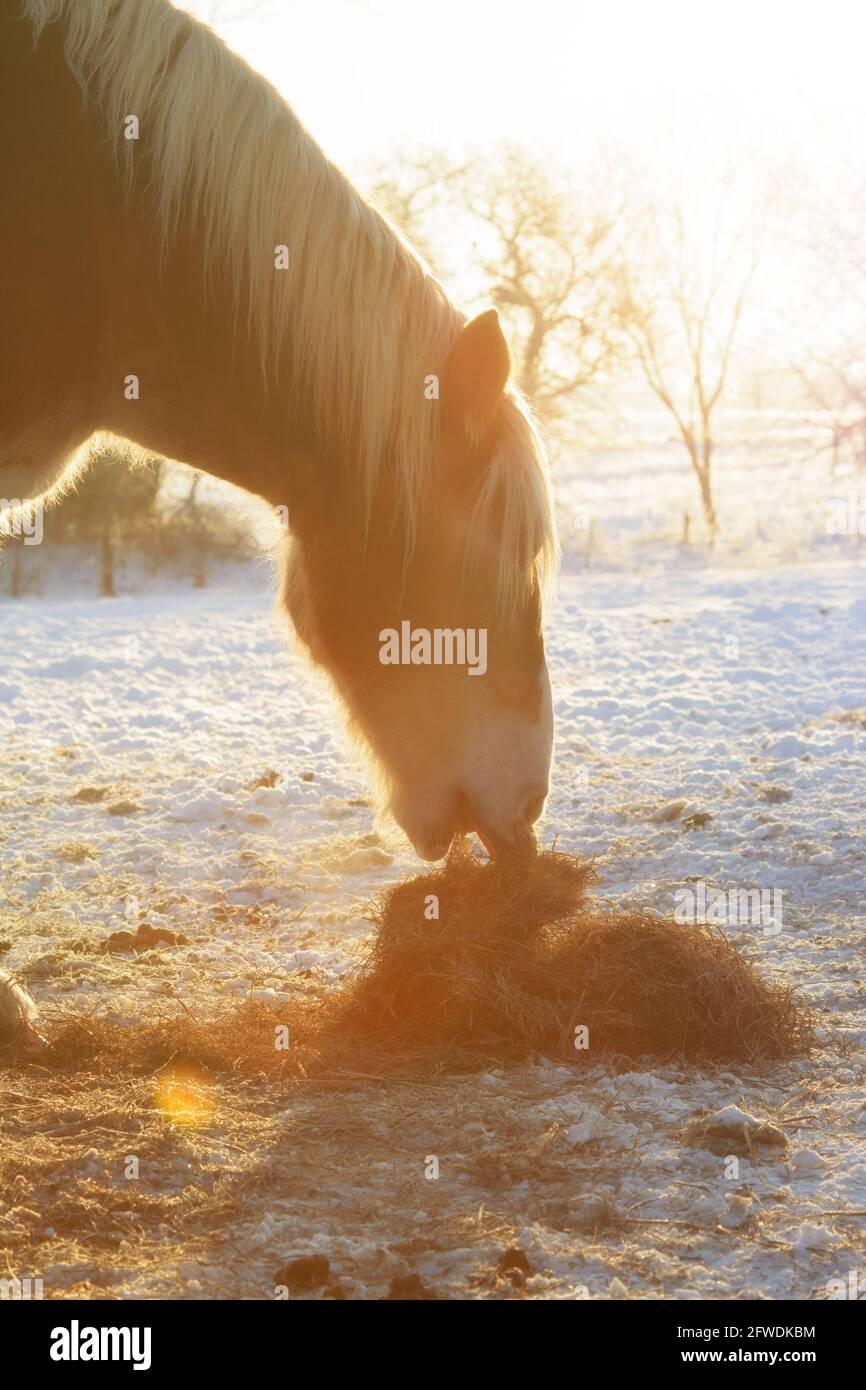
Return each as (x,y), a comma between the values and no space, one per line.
(518,959)
(476,965)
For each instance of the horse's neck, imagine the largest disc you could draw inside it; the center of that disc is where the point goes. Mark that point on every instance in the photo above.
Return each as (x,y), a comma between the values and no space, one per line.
(84,274)
(203,396)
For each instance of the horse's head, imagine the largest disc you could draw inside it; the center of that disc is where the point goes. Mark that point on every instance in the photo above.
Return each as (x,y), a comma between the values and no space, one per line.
(436,645)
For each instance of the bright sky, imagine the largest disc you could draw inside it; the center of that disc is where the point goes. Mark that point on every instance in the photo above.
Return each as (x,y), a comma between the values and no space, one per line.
(699,76)
(684,87)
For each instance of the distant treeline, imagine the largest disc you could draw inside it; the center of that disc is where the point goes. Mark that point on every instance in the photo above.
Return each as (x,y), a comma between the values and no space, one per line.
(155,512)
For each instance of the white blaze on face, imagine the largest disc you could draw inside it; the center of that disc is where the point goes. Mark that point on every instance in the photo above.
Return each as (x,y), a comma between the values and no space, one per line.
(506,763)
(499,775)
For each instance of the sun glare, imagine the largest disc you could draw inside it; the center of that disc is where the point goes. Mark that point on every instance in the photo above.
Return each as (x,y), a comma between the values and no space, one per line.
(672,81)
(185,1094)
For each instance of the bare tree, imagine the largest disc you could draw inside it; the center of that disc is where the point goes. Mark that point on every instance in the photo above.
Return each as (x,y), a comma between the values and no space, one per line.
(414,190)
(829,354)
(112,509)
(192,513)
(682,310)
(547,252)
(552,260)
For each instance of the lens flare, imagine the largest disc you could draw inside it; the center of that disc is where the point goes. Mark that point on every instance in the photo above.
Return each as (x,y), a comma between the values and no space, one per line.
(185,1094)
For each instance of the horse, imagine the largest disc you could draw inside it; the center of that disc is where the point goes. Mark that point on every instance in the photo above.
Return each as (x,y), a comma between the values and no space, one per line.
(183,269)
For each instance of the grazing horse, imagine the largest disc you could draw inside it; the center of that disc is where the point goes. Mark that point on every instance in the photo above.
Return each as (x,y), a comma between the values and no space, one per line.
(182,269)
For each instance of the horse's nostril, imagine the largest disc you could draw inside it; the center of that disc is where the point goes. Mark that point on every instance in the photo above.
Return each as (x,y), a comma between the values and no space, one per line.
(534,805)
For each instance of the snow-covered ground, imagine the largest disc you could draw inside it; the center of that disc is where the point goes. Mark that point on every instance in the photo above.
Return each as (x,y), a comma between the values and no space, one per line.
(133,734)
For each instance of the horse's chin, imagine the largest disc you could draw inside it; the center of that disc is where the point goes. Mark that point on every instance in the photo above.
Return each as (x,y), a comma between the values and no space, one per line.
(520,842)
(429,823)
(513,848)
(431,840)
(432,847)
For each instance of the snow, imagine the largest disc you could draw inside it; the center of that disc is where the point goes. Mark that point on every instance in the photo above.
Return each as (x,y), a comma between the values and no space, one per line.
(735,689)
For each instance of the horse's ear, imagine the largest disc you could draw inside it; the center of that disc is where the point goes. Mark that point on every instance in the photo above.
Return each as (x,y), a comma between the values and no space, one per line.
(476,374)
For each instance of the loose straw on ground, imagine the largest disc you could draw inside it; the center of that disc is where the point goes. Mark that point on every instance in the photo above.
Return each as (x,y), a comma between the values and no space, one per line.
(474,965)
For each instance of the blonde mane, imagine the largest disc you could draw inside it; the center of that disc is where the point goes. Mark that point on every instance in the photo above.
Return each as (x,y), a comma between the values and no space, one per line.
(225,151)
